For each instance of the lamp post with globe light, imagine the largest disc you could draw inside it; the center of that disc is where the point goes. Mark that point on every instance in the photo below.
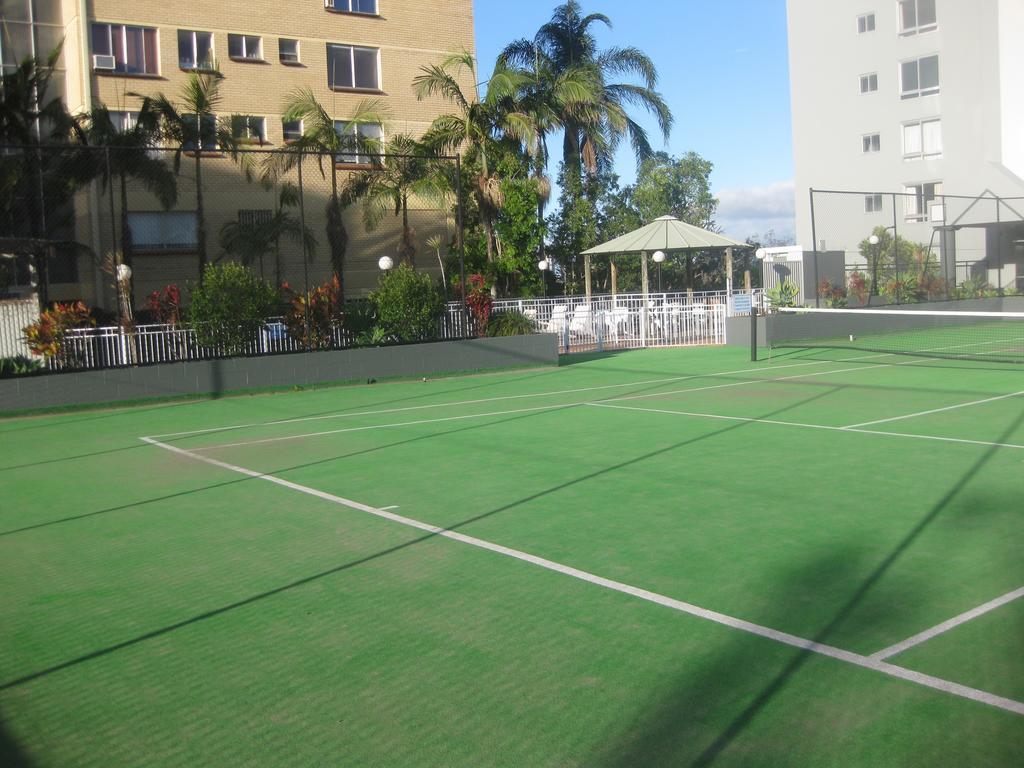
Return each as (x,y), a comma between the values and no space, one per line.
(385,263)
(659,256)
(543,265)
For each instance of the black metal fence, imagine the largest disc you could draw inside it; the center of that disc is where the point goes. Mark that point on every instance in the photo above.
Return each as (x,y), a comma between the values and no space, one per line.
(919,245)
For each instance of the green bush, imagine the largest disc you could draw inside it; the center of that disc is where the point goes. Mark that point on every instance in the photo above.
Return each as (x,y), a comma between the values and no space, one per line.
(409,305)
(230,306)
(510,322)
(784,294)
(19,365)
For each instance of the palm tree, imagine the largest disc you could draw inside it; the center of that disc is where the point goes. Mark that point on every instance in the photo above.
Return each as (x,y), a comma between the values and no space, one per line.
(129,156)
(194,127)
(406,171)
(320,137)
(593,128)
(476,125)
(250,240)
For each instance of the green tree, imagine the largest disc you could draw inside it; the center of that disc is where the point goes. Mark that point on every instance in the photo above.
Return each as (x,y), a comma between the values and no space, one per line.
(518,235)
(321,139)
(130,156)
(229,306)
(407,171)
(409,305)
(251,240)
(887,257)
(193,126)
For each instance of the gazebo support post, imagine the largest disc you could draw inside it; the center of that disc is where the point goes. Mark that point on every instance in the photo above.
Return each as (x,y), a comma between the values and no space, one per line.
(728,272)
(586,276)
(615,278)
(646,291)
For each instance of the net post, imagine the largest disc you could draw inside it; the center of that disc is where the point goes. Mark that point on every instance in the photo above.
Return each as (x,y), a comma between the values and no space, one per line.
(753,333)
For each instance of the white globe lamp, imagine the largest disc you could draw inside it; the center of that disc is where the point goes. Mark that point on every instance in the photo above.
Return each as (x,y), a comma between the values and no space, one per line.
(124,273)
(542,265)
(659,256)
(385,263)
(873,239)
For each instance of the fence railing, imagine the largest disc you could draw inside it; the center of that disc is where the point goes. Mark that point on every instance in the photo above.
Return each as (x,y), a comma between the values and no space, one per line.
(604,322)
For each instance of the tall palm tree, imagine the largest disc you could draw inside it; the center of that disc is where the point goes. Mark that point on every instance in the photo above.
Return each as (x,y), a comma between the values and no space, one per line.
(250,240)
(406,171)
(594,128)
(194,127)
(130,156)
(477,124)
(320,138)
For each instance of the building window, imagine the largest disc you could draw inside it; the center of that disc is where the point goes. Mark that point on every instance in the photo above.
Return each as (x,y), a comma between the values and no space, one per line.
(922,138)
(130,50)
(872,203)
(245,47)
(866,23)
(353,6)
(288,50)
(207,135)
(123,122)
(351,67)
(255,217)
(249,129)
(917,16)
(918,197)
(292,130)
(919,77)
(869,83)
(363,141)
(872,142)
(163,230)
(195,49)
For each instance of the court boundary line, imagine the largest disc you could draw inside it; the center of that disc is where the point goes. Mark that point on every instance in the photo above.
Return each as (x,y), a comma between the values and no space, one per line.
(775,422)
(947,625)
(785,638)
(935,410)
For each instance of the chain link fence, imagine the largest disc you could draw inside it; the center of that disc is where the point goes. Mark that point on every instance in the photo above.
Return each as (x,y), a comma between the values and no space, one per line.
(918,245)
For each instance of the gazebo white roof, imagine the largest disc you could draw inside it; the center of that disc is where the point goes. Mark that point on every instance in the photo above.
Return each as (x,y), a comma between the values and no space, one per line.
(666,233)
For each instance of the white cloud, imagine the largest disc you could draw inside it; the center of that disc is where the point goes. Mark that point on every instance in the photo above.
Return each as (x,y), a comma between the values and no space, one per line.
(746,211)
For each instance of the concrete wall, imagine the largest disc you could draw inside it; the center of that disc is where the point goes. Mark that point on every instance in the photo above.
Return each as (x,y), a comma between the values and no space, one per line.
(797,326)
(241,373)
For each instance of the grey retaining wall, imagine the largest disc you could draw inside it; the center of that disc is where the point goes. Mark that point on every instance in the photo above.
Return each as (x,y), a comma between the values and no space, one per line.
(203,377)
(796,326)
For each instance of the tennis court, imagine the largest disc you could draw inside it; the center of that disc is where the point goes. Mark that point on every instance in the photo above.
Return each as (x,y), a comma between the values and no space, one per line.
(654,557)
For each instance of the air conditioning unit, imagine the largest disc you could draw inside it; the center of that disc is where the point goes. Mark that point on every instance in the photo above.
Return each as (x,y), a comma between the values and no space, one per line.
(103,61)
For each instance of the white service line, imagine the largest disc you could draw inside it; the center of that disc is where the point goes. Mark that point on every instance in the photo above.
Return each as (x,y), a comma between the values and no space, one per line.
(947,625)
(935,410)
(785,638)
(382,426)
(498,398)
(752,420)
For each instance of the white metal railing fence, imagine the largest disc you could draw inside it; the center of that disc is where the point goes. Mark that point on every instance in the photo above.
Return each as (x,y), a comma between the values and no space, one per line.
(621,321)
(15,314)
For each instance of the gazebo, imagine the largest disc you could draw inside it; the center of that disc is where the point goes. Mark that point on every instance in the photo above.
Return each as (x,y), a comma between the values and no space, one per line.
(665,234)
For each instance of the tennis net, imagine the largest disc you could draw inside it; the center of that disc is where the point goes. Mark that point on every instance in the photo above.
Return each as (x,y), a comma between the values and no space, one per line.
(995,336)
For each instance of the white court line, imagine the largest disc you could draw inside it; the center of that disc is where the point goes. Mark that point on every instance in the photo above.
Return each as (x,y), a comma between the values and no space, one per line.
(946,686)
(382,426)
(766,367)
(752,420)
(945,626)
(935,410)
(393,506)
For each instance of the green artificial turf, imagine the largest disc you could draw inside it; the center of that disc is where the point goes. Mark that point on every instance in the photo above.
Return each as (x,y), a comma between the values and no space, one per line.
(161,611)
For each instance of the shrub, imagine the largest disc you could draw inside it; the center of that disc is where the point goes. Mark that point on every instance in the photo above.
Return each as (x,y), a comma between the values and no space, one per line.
(510,322)
(165,306)
(409,305)
(324,308)
(230,306)
(479,301)
(19,365)
(834,295)
(46,335)
(784,294)
(860,287)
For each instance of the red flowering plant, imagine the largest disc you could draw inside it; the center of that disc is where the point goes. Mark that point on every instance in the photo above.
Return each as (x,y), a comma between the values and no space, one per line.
(860,287)
(165,306)
(46,335)
(479,301)
(322,306)
(833,294)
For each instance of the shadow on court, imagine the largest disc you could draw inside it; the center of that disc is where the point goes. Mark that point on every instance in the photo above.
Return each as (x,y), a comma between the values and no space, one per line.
(11,754)
(664,733)
(460,526)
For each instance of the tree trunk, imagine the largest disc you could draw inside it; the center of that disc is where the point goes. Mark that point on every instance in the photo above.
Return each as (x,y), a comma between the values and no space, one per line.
(408,250)
(126,230)
(200,215)
(337,236)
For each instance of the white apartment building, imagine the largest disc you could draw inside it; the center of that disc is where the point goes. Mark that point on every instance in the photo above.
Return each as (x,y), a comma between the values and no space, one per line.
(919,97)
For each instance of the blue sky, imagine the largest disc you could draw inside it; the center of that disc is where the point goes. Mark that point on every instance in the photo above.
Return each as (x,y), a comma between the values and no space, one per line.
(729,56)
